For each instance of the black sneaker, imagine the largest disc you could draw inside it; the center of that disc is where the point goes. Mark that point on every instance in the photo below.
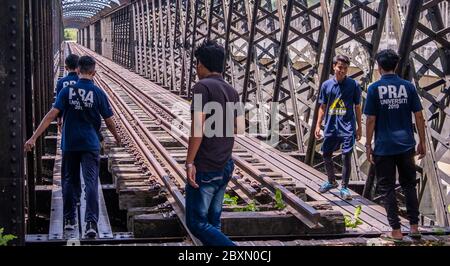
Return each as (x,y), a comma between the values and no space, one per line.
(91,229)
(69,224)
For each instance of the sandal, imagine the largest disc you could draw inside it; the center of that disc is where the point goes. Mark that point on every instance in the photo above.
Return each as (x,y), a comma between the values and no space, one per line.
(389,237)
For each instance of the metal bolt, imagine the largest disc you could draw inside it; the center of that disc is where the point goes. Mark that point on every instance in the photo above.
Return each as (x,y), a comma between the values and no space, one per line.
(13,71)
(13,159)
(13,58)
(13,7)
(13,45)
(13,84)
(13,197)
(13,20)
(13,32)
(13,109)
(14,121)
(13,146)
(13,134)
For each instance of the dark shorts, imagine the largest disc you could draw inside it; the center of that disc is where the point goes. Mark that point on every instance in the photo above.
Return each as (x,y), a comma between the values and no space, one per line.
(333,143)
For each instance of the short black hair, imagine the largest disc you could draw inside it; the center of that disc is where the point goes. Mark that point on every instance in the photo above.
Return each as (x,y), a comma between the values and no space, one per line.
(72,61)
(387,59)
(341,58)
(86,64)
(211,55)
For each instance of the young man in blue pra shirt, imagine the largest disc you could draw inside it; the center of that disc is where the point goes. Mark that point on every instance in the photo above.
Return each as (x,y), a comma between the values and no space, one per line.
(390,103)
(340,99)
(82,105)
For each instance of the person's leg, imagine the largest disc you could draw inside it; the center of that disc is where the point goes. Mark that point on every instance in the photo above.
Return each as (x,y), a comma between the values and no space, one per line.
(215,208)
(90,161)
(328,147)
(347,151)
(346,168)
(385,173)
(329,166)
(407,177)
(198,202)
(70,171)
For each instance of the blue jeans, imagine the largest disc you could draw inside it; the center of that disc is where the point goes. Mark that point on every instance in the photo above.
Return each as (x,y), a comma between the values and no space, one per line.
(90,163)
(204,206)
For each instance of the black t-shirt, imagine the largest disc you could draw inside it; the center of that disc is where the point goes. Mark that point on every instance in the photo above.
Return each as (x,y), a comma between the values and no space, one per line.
(211,95)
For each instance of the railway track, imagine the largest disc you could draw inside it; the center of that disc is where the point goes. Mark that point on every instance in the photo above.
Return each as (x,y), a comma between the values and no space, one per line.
(157,136)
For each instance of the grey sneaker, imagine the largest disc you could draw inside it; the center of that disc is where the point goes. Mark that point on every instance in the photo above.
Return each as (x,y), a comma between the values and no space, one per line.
(69,224)
(91,229)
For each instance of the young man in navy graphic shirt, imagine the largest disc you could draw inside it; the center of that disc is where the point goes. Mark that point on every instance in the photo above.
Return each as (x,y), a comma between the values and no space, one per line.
(71,66)
(389,107)
(82,105)
(340,99)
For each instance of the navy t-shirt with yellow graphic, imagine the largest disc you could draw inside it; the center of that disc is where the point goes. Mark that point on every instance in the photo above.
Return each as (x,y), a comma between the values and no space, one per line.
(340,99)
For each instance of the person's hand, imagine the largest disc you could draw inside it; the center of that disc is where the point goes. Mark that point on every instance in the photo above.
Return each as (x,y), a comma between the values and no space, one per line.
(358,134)
(317,132)
(190,172)
(420,150)
(29,144)
(369,154)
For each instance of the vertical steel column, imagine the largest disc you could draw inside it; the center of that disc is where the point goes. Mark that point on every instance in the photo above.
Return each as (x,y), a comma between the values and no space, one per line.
(37,81)
(150,47)
(417,33)
(12,85)
(326,69)
(30,116)
(406,41)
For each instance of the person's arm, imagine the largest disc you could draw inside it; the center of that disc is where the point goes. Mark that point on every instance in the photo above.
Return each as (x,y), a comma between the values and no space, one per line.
(195,140)
(420,124)
(112,128)
(322,110)
(49,117)
(358,111)
(370,128)
(239,128)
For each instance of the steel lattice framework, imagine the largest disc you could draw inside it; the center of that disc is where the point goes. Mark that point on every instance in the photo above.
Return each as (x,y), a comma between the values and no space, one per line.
(78,12)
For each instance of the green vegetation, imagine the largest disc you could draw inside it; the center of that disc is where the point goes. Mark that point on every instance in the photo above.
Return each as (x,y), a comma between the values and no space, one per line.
(279,203)
(251,207)
(353,222)
(4,239)
(70,34)
(228,200)
(439,231)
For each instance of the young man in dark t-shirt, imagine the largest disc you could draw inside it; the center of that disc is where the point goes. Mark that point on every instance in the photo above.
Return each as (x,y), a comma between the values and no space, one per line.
(208,164)
(340,104)
(82,105)
(389,107)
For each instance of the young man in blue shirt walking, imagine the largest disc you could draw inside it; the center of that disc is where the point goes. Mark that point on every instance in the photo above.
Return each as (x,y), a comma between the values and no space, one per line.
(339,99)
(389,107)
(82,105)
